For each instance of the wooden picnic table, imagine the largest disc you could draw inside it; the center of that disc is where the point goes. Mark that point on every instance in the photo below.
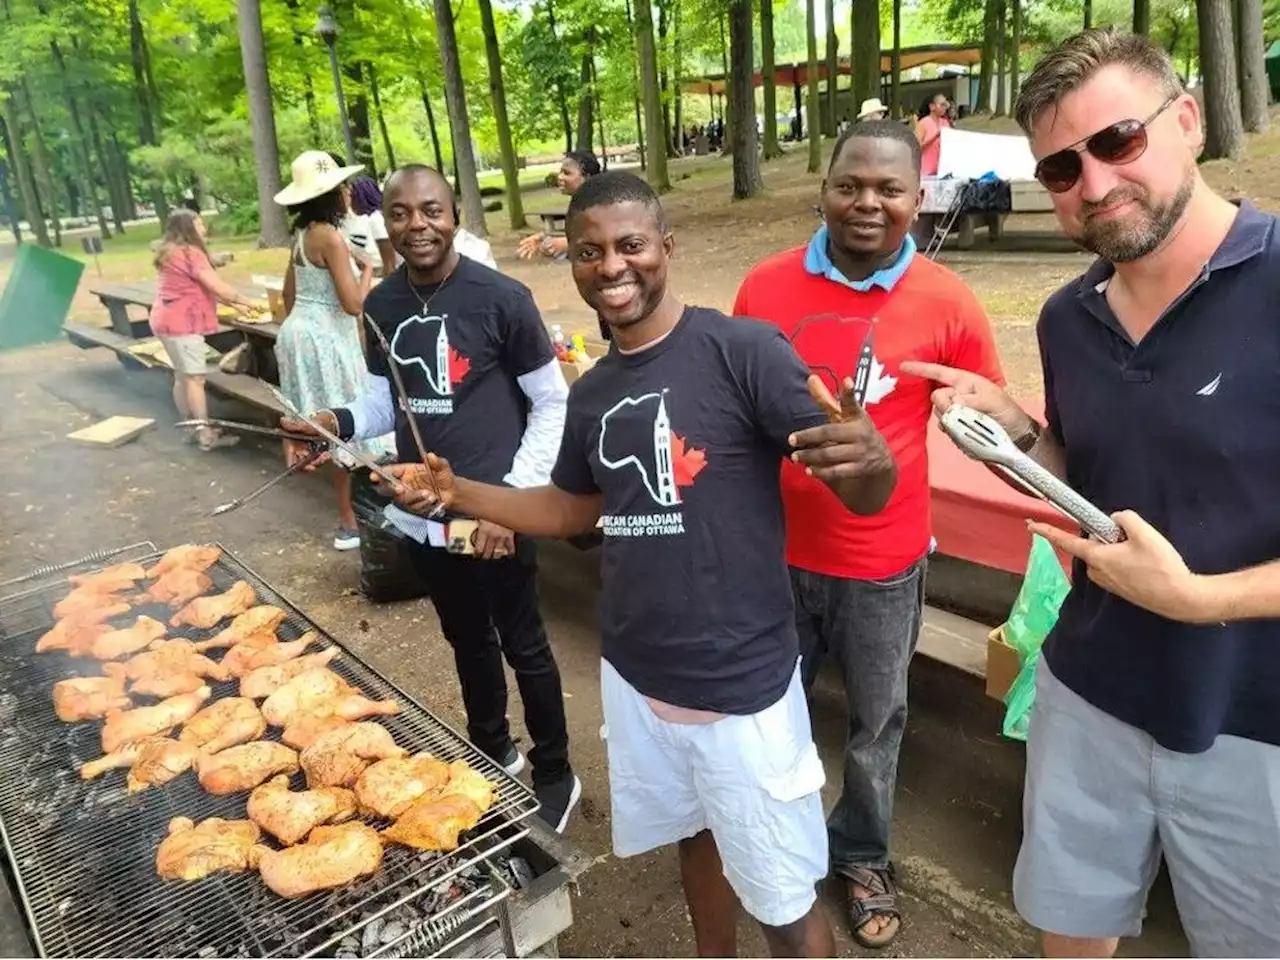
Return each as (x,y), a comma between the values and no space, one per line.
(119,297)
(554,222)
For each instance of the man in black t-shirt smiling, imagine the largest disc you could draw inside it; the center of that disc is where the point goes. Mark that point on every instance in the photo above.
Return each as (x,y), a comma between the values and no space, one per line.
(485,389)
(674,440)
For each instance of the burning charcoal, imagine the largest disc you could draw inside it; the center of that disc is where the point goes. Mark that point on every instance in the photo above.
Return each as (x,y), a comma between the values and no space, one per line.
(393,931)
(520,871)
(351,943)
(345,954)
(206,952)
(64,906)
(371,936)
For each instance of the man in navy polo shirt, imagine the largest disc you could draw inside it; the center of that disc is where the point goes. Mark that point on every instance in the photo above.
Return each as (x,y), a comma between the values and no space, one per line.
(1157,721)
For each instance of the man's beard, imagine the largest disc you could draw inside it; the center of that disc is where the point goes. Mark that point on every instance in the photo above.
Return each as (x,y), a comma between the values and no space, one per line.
(1125,239)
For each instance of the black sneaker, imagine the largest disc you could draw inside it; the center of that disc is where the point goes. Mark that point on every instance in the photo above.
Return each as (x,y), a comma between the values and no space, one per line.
(513,761)
(558,800)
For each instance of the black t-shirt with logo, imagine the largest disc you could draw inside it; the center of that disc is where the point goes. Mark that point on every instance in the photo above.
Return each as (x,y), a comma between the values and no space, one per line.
(685,440)
(459,358)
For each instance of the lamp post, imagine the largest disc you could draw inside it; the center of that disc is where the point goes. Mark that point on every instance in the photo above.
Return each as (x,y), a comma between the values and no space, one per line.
(327,30)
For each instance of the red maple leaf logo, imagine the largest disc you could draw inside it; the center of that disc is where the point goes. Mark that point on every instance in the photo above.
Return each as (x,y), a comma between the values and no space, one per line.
(459,367)
(686,463)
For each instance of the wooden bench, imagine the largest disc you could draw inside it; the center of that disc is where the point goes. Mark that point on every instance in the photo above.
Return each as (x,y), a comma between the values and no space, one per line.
(553,222)
(119,297)
(261,339)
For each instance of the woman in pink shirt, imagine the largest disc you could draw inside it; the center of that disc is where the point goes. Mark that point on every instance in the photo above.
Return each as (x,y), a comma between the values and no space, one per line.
(929,133)
(185,311)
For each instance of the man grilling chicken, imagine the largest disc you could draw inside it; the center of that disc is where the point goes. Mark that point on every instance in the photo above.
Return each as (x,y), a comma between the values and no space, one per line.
(485,390)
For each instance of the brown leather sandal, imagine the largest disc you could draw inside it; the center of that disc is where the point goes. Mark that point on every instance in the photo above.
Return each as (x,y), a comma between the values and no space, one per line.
(882,903)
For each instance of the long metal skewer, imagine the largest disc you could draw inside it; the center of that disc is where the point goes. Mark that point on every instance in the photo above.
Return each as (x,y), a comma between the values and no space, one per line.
(239,502)
(333,438)
(404,399)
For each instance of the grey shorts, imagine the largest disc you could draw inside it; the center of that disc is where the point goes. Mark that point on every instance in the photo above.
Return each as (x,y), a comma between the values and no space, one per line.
(187,353)
(1103,802)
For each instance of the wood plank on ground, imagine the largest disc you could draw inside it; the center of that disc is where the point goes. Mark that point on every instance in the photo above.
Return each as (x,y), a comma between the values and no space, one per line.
(954,640)
(113,431)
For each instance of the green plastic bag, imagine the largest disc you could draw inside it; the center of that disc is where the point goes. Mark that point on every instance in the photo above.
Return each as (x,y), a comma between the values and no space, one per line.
(1034,613)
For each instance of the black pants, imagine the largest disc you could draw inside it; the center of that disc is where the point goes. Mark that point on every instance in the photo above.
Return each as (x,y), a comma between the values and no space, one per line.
(488,609)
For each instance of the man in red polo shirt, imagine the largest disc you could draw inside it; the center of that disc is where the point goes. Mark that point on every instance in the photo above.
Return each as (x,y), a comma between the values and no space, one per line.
(858,292)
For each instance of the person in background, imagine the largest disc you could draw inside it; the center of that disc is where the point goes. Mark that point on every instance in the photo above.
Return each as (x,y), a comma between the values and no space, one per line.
(859,581)
(929,133)
(1155,732)
(185,312)
(366,201)
(872,109)
(319,346)
(575,169)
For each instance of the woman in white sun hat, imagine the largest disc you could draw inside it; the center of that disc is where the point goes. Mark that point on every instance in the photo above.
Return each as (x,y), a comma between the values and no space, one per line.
(318,349)
(873,109)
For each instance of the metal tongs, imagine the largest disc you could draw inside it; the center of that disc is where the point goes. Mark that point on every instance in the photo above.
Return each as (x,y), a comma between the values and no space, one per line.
(318,448)
(981,438)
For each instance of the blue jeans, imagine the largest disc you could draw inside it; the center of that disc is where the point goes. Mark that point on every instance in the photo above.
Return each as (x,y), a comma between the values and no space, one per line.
(870,627)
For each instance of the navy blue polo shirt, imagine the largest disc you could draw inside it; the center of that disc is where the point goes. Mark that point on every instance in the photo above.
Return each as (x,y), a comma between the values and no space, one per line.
(1184,428)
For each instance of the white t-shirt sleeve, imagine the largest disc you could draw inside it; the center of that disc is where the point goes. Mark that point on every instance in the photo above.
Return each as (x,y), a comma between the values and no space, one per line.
(378,226)
(469,245)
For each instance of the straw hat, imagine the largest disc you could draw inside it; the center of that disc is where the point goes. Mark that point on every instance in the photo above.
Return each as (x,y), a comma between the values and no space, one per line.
(314,174)
(870,107)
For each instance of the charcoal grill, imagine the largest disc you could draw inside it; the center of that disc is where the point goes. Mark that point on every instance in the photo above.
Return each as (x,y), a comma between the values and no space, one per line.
(83,852)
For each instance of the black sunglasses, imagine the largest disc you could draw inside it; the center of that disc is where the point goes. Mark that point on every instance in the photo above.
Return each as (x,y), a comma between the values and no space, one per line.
(1120,143)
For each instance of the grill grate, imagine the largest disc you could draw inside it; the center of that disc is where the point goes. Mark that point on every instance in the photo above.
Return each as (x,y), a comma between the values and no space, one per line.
(84,851)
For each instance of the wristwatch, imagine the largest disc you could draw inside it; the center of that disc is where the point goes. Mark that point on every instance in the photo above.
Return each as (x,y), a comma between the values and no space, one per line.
(1029,437)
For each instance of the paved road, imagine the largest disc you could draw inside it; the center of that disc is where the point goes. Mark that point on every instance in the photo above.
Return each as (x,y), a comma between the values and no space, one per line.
(957,824)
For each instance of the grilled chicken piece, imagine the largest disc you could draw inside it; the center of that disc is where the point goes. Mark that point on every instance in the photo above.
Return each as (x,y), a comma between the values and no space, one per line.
(434,824)
(244,657)
(224,723)
(91,698)
(321,693)
(112,579)
(90,604)
(126,726)
(73,634)
(151,762)
(244,767)
(256,625)
(390,787)
(262,682)
(305,730)
(189,555)
(337,758)
(331,857)
(119,643)
(179,587)
(290,816)
(191,852)
(469,783)
(172,657)
(204,612)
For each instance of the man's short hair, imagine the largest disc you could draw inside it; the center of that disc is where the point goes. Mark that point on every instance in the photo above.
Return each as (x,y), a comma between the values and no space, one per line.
(1069,66)
(879,130)
(422,168)
(613,187)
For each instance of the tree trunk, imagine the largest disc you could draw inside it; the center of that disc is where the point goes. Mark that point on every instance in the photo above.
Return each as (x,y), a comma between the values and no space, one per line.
(865,19)
(1088,14)
(141,90)
(726,111)
(20,167)
(121,161)
(1142,17)
(746,156)
(895,61)
(562,99)
(152,92)
(677,76)
(431,125)
(988,57)
(114,195)
(273,231)
(455,98)
(664,75)
(599,108)
(13,211)
(308,89)
(768,69)
(657,166)
(43,168)
(635,86)
(358,114)
(80,142)
(586,118)
(1015,61)
(1254,92)
(811,106)
(1002,104)
(1224,130)
(498,99)
(382,121)
(831,116)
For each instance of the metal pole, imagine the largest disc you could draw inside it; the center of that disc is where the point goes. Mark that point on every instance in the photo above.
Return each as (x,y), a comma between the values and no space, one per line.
(342,102)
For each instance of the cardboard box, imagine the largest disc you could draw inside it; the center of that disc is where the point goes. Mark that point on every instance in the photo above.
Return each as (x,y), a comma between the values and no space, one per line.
(572,371)
(1003,665)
